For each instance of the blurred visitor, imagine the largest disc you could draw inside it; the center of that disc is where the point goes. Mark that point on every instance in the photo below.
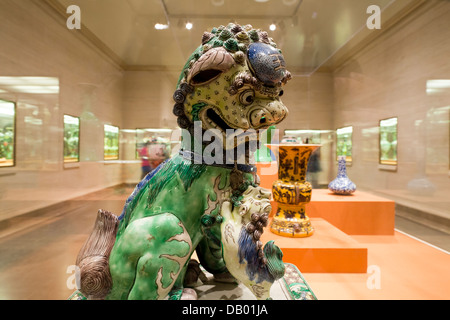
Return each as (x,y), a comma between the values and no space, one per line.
(312,173)
(145,163)
(158,152)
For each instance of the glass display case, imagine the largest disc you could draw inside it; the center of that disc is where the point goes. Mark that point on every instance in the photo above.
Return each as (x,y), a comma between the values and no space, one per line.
(305,136)
(388,142)
(321,165)
(111,142)
(379,93)
(71,139)
(344,143)
(7,129)
(158,137)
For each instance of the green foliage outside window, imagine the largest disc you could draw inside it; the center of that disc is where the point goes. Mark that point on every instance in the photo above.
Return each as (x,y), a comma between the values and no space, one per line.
(7,128)
(71,139)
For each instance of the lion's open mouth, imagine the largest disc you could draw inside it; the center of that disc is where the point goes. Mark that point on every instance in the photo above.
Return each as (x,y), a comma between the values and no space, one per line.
(240,143)
(216,121)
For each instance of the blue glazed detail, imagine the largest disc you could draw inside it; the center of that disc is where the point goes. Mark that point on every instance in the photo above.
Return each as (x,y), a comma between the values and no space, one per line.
(342,184)
(267,63)
(248,254)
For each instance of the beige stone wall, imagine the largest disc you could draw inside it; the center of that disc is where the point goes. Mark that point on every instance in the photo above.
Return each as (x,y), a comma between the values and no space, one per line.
(388,78)
(147,100)
(35,42)
(310,102)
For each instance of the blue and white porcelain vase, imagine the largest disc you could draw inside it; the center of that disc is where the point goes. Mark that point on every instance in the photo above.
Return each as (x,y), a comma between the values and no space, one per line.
(342,184)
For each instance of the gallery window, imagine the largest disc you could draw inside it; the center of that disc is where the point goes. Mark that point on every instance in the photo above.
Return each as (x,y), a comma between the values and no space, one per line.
(71,139)
(111,144)
(344,143)
(7,133)
(388,142)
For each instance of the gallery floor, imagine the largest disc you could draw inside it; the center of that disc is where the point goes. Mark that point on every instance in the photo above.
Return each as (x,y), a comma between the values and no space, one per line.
(38,251)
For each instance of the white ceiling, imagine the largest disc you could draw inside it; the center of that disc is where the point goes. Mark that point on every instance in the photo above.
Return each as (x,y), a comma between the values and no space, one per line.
(308,32)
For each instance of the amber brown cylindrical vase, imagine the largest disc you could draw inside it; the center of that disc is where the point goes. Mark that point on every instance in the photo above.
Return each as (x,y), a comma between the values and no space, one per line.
(291,191)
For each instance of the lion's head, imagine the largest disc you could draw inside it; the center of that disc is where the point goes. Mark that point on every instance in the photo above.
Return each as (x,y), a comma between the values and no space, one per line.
(233,82)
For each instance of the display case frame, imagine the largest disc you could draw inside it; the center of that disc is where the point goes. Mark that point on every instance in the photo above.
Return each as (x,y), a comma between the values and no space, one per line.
(160,132)
(9,163)
(386,144)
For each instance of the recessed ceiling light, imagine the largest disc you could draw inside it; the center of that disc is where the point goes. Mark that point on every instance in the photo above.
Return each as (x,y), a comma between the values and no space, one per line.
(273,27)
(160,26)
(189,25)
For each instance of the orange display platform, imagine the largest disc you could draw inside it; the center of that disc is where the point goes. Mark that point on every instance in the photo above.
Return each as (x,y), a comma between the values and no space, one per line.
(268,173)
(328,250)
(358,214)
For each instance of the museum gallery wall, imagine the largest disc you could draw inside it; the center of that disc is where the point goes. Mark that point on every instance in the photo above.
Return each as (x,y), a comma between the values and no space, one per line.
(382,81)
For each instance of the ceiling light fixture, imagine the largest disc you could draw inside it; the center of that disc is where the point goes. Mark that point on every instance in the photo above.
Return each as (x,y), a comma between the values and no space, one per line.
(273,27)
(160,26)
(189,25)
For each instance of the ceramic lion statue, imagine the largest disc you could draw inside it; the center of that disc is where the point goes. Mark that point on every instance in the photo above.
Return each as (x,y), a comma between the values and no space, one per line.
(206,199)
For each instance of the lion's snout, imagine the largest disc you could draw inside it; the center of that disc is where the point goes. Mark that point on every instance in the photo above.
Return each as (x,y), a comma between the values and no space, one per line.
(265,116)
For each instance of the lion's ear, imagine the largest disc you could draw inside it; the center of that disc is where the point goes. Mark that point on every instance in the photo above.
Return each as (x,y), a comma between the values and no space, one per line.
(210,66)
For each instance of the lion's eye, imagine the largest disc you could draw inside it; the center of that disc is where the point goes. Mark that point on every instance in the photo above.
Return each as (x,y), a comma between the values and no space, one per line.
(247,97)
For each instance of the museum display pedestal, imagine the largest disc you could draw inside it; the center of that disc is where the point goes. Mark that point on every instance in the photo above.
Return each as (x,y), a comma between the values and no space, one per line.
(329,250)
(358,214)
(268,173)
(336,218)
